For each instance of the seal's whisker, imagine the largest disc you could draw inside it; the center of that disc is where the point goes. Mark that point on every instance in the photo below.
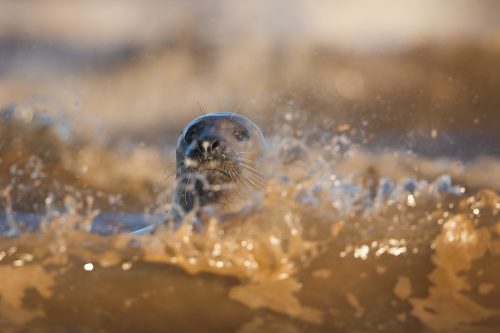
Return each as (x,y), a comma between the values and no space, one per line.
(189,187)
(170,174)
(187,190)
(242,189)
(181,173)
(240,179)
(246,185)
(252,171)
(241,159)
(236,177)
(256,177)
(170,165)
(182,192)
(169,171)
(255,182)
(165,179)
(249,167)
(184,182)
(252,183)
(246,154)
(250,174)
(173,173)
(235,111)
(203,113)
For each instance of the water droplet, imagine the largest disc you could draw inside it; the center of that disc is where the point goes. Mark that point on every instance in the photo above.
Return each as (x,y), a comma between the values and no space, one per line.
(274,240)
(343,127)
(26,257)
(410,201)
(18,263)
(88,266)
(126,265)
(362,252)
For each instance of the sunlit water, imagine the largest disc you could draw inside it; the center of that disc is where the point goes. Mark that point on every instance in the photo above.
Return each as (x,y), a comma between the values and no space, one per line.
(345,239)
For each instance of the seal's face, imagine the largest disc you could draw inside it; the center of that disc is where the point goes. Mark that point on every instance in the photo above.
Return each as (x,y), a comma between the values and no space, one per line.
(216,157)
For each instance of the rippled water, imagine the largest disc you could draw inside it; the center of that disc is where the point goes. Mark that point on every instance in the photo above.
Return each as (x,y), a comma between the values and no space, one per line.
(346,239)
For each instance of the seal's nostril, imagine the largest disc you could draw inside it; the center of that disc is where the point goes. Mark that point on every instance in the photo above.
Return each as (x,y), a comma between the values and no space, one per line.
(205,145)
(215,145)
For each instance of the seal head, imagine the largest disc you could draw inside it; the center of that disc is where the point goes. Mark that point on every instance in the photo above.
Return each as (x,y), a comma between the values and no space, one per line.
(218,160)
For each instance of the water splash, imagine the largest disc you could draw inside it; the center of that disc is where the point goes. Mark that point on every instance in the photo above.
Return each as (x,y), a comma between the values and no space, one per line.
(339,231)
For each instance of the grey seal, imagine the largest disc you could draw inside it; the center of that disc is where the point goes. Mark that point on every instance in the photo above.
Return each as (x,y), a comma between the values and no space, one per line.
(218,162)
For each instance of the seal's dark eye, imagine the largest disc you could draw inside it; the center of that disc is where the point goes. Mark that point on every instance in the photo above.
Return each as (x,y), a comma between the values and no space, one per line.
(241,134)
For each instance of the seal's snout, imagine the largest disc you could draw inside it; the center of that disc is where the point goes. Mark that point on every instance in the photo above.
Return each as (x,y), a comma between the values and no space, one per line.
(206,148)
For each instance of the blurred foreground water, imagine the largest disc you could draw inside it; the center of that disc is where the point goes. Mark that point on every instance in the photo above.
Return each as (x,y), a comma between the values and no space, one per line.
(345,239)
(381,211)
